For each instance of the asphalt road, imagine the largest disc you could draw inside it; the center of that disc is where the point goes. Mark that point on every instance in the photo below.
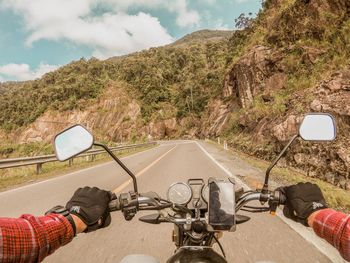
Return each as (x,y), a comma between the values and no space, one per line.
(263,239)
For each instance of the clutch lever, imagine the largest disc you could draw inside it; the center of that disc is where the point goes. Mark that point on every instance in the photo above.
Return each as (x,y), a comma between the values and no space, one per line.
(152,195)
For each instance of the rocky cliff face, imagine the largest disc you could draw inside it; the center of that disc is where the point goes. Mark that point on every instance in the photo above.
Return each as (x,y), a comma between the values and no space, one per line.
(115,116)
(265,96)
(268,135)
(329,161)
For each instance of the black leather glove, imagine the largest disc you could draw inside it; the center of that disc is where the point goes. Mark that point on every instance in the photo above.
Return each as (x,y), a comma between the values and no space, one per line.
(91,206)
(302,200)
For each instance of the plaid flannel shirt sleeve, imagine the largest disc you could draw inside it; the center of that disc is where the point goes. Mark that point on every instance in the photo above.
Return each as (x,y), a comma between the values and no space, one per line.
(31,239)
(334,227)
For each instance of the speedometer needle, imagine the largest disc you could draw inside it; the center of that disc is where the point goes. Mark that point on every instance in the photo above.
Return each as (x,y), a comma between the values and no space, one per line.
(178,192)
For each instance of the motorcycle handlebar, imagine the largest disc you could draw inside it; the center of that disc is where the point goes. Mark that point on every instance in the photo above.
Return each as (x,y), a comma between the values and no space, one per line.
(141,202)
(274,199)
(278,196)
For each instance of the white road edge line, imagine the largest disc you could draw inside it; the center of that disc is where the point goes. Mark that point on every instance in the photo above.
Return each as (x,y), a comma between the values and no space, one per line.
(328,250)
(79,171)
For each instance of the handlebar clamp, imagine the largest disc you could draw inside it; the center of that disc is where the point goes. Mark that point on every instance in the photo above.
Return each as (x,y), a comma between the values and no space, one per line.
(129,205)
(275,201)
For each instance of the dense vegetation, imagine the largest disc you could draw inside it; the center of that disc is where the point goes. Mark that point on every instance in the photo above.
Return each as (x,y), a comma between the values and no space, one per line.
(312,41)
(183,77)
(179,78)
(21,103)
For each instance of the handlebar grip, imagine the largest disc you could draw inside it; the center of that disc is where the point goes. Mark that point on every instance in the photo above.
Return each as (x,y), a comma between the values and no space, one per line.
(114,205)
(283,198)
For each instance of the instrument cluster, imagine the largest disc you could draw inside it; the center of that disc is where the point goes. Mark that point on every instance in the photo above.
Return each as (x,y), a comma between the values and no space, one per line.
(194,193)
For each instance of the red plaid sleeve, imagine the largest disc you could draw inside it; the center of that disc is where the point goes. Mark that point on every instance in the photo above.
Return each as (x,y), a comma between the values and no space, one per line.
(334,227)
(31,239)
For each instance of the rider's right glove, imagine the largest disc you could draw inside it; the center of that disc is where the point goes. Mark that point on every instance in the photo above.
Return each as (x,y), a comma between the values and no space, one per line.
(91,206)
(302,200)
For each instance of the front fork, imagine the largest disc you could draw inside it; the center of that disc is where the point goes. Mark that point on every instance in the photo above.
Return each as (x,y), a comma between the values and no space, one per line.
(178,237)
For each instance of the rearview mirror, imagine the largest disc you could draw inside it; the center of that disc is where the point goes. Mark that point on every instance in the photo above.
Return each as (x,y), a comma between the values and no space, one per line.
(72,142)
(318,127)
(315,127)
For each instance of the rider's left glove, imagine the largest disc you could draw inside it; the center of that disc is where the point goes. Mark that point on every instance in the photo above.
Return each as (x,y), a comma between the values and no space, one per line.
(91,206)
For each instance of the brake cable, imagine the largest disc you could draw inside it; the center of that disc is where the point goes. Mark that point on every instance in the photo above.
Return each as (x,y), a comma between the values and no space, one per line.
(253,209)
(218,242)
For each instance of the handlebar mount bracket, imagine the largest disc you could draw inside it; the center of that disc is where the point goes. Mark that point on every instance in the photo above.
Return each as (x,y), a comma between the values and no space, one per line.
(129,205)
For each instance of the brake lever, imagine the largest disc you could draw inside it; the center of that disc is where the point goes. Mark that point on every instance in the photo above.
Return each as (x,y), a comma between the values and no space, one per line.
(151,219)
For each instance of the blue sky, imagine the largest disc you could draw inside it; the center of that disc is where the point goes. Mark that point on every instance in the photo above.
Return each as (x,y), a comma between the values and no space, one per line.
(37,36)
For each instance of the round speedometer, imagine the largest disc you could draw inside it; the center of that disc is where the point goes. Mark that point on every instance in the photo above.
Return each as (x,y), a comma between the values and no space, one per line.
(179,193)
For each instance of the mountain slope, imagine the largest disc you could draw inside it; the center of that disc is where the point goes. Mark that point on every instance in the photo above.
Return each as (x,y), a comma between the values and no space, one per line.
(171,82)
(203,36)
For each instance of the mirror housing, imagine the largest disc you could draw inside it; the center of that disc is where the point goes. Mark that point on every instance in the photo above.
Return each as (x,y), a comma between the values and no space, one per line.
(72,141)
(76,140)
(318,127)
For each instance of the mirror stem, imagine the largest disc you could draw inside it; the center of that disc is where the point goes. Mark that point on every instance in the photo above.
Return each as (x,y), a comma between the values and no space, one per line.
(266,184)
(126,169)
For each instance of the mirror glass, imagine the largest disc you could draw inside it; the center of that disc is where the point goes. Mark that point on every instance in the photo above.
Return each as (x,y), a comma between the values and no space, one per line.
(72,142)
(318,127)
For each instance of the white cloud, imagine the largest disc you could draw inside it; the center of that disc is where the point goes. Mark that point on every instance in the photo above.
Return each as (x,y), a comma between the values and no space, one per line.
(23,72)
(112,33)
(108,35)
(185,17)
(220,25)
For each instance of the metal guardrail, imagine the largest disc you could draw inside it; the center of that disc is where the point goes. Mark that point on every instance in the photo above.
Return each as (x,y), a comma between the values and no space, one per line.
(40,160)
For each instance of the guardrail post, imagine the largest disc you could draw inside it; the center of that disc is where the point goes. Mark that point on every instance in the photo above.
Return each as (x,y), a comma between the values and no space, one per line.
(225,145)
(219,140)
(39,167)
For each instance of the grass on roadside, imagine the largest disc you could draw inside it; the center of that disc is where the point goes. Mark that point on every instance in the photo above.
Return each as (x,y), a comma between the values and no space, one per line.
(336,197)
(11,178)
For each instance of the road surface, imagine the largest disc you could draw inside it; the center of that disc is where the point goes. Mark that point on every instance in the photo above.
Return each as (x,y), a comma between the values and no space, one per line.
(263,239)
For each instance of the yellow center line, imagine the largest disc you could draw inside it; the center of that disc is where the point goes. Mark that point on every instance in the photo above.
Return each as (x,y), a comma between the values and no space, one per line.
(126,183)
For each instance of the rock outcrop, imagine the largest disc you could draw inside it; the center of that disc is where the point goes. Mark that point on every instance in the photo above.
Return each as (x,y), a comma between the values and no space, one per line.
(329,161)
(256,73)
(115,116)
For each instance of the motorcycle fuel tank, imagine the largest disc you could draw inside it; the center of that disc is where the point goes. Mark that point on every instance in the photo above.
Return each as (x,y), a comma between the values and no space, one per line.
(196,255)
